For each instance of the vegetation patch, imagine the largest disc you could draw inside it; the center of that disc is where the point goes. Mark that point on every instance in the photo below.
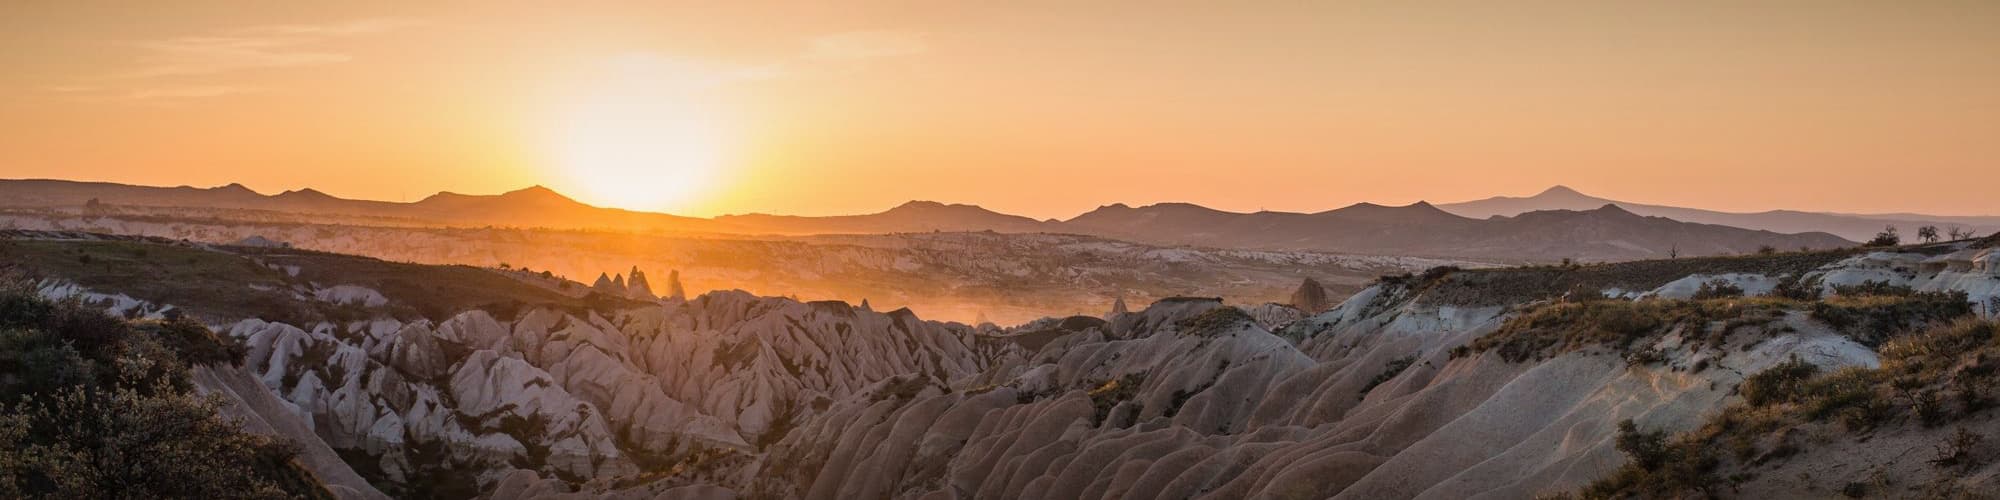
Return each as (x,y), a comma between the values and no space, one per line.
(1870,317)
(1717,289)
(91,407)
(231,283)
(1215,322)
(1516,285)
(1389,371)
(1931,378)
(1111,393)
(1555,328)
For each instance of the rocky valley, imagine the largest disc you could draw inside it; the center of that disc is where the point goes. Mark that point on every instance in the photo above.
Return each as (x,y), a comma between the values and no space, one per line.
(1447,383)
(1006,278)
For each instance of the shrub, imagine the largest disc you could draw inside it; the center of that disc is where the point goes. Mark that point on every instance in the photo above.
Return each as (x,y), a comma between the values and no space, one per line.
(1717,289)
(1561,327)
(195,343)
(1389,371)
(1112,392)
(1959,451)
(1656,467)
(1783,405)
(89,408)
(1872,287)
(1646,449)
(1783,382)
(1874,319)
(1798,287)
(1214,322)
(1886,238)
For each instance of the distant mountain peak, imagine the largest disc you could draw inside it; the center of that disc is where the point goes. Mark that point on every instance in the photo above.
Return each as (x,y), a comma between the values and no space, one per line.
(535,191)
(1560,191)
(305,193)
(919,205)
(235,187)
(1614,209)
(1368,207)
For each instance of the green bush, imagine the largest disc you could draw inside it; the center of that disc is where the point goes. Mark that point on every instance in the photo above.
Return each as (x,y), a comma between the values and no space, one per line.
(92,408)
(195,343)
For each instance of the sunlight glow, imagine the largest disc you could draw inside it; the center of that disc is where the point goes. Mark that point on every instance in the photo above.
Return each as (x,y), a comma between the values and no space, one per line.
(640,137)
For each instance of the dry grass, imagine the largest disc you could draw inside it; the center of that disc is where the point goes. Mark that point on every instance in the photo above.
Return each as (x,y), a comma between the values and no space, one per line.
(1929,378)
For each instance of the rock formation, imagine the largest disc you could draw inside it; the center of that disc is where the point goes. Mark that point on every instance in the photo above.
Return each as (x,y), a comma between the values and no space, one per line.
(637,287)
(604,284)
(1310,297)
(674,289)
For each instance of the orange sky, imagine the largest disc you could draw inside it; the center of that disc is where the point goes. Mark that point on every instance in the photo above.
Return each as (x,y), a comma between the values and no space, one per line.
(1044,110)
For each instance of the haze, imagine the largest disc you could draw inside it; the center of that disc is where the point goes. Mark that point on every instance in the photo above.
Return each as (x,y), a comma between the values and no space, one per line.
(1045,110)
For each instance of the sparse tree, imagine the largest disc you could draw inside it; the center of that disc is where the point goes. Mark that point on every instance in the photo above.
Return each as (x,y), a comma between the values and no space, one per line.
(1674,252)
(1767,250)
(1959,233)
(1928,233)
(1886,238)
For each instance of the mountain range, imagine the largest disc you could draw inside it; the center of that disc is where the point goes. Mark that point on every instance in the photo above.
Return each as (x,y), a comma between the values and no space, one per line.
(1858,227)
(1560,223)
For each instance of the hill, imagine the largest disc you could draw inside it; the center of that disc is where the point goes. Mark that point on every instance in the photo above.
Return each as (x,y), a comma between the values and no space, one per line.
(530,207)
(915,216)
(1578,233)
(1599,234)
(1859,227)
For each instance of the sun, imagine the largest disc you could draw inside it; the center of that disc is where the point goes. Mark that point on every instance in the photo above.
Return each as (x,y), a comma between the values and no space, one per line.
(638,136)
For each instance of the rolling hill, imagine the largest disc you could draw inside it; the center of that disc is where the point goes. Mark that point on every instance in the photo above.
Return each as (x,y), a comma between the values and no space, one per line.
(1572,227)
(1851,226)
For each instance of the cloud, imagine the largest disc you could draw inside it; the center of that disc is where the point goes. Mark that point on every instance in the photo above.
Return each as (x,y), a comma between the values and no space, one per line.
(206,55)
(347,28)
(859,45)
(191,66)
(254,47)
(188,92)
(690,74)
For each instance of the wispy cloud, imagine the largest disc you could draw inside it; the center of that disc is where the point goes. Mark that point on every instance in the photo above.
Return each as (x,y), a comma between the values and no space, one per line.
(253,47)
(691,74)
(841,52)
(858,45)
(164,68)
(206,55)
(188,92)
(347,28)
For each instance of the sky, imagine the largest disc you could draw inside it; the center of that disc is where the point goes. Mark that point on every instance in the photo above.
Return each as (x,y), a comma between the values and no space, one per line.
(1045,109)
